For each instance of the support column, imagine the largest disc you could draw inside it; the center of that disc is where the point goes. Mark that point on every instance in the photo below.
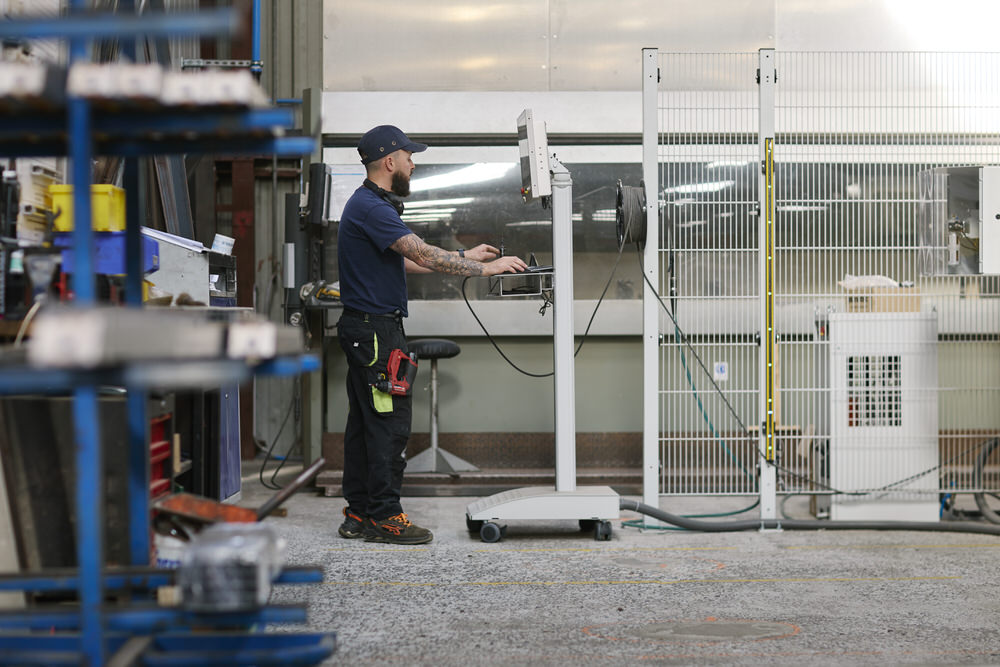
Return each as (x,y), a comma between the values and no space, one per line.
(564,376)
(651,269)
(313,383)
(766,78)
(245,251)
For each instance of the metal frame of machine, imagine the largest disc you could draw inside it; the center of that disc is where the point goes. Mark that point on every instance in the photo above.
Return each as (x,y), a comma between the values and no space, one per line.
(542,172)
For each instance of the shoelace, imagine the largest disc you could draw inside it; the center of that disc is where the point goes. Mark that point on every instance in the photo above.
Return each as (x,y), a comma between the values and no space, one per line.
(401,518)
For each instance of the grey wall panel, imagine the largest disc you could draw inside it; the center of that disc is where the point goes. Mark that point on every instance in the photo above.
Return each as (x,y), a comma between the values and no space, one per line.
(560,45)
(596,45)
(435,45)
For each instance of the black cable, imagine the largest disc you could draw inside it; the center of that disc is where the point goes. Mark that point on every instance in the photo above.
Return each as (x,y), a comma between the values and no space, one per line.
(687,342)
(267,455)
(493,342)
(987,449)
(804,524)
(583,339)
(777,466)
(297,402)
(638,523)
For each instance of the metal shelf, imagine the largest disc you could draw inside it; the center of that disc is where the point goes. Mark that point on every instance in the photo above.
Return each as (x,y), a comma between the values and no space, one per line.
(134,578)
(94,633)
(133,132)
(141,376)
(175,648)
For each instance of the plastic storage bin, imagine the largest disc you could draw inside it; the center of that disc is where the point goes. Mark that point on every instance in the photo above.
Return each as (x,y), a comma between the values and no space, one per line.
(107,204)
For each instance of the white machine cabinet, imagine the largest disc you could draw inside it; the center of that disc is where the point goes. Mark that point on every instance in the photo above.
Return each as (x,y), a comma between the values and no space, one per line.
(884,416)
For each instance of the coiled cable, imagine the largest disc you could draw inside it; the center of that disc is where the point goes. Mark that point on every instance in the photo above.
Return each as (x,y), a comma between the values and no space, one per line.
(630,215)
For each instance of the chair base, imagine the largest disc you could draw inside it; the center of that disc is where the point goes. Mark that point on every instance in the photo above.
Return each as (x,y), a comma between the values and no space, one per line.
(438,460)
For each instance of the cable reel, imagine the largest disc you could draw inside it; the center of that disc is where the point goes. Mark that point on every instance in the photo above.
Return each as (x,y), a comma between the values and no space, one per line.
(630,214)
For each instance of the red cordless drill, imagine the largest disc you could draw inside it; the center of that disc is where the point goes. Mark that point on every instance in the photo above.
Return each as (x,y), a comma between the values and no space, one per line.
(400,373)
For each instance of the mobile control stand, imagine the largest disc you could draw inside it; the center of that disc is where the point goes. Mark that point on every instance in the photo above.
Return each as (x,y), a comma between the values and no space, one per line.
(542,175)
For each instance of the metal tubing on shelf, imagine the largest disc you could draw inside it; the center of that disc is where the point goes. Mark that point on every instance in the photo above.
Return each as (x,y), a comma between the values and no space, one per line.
(118,26)
(164,122)
(255,65)
(84,283)
(150,618)
(139,577)
(138,476)
(280,146)
(89,521)
(135,402)
(564,373)
(177,648)
(86,419)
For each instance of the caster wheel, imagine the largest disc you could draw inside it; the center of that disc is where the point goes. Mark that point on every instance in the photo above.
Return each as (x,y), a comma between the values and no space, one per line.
(491,532)
(602,531)
(473,525)
(587,525)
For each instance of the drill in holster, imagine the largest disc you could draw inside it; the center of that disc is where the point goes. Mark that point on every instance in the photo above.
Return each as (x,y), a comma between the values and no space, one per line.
(397,379)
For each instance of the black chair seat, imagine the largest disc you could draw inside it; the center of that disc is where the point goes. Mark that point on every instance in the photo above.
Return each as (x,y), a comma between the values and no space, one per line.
(434,348)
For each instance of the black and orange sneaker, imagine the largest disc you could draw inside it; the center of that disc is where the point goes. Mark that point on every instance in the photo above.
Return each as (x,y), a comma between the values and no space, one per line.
(353,526)
(397,530)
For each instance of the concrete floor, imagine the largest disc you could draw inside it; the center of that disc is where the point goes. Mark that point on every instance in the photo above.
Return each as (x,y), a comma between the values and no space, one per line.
(550,595)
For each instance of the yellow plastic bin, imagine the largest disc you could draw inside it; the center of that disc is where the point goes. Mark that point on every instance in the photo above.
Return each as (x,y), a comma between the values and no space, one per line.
(107,207)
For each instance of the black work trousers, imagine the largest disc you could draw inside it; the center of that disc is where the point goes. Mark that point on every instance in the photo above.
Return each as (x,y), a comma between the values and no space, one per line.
(378,424)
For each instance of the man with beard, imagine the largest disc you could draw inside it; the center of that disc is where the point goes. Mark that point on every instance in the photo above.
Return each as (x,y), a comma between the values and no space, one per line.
(375,249)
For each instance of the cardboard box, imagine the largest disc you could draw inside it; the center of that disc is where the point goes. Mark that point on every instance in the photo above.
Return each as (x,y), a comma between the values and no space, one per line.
(883,300)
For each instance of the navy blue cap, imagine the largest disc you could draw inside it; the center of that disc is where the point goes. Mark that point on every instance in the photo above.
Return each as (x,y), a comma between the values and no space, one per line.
(384,139)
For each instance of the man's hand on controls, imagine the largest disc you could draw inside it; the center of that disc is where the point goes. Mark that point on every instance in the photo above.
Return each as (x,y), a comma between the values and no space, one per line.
(506,264)
(482,253)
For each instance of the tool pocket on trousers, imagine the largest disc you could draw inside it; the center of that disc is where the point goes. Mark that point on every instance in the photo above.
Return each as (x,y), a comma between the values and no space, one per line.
(369,356)
(362,349)
(381,401)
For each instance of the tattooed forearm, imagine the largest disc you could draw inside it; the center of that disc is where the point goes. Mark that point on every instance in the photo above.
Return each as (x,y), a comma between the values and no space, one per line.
(434,258)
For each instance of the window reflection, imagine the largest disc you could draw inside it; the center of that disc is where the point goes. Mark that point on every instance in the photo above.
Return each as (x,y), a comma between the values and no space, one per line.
(709,223)
(462,205)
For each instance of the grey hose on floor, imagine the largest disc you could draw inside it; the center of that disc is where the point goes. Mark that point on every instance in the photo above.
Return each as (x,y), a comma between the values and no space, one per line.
(804,524)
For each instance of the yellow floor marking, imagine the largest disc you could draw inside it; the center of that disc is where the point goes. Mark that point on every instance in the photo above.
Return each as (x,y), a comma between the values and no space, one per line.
(600,582)
(602,549)
(896,546)
(362,550)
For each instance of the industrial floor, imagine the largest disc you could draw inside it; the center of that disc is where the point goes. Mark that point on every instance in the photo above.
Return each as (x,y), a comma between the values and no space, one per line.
(548,594)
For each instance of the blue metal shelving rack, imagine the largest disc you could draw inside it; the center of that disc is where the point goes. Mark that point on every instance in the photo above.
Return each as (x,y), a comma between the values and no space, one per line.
(93,632)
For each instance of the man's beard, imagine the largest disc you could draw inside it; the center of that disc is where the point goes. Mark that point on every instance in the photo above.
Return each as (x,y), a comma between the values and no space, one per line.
(400,184)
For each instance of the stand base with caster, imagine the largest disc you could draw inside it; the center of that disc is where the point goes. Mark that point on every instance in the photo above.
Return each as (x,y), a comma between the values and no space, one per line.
(592,506)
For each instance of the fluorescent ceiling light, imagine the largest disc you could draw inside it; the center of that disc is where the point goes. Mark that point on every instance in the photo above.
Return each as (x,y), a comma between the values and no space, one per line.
(682,202)
(474,173)
(604,215)
(530,223)
(692,223)
(700,187)
(439,212)
(726,163)
(795,208)
(426,216)
(455,201)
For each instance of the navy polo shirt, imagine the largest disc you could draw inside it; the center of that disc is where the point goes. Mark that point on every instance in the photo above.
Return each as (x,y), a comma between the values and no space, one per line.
(372,276)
